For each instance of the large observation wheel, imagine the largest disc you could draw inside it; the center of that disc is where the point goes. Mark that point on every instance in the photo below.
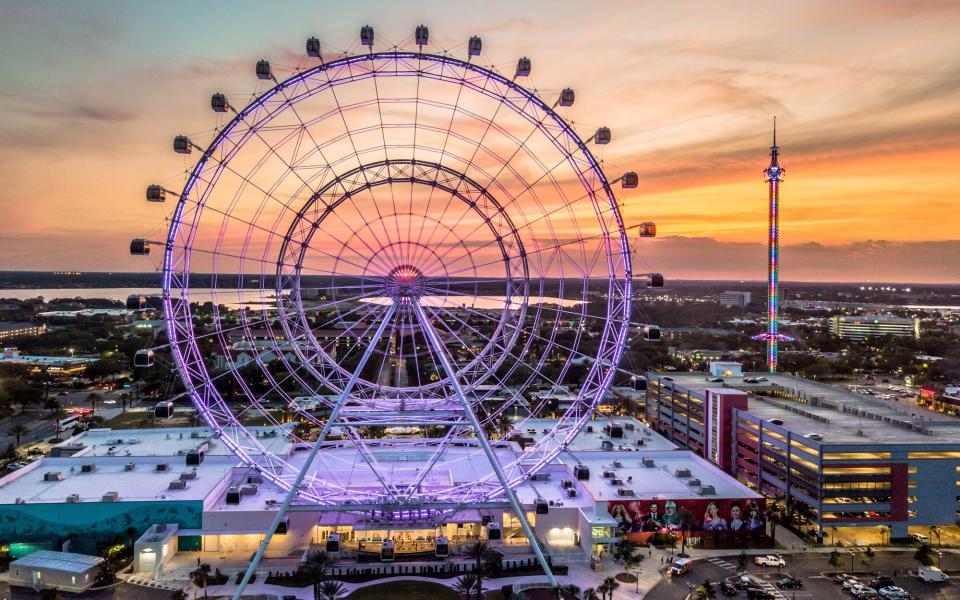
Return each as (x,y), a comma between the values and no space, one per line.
(376,217)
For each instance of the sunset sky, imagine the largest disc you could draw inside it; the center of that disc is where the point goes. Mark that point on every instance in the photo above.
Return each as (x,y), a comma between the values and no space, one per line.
(867,96)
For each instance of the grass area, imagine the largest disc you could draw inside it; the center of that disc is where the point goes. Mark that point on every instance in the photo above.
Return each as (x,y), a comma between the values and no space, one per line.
(405,590)
(143,419)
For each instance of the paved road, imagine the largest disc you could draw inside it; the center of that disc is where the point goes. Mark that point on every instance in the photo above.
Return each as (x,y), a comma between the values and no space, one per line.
(124,591)
(808,568)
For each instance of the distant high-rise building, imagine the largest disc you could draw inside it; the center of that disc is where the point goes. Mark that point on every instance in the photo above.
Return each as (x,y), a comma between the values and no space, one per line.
(864,326)
(733,298)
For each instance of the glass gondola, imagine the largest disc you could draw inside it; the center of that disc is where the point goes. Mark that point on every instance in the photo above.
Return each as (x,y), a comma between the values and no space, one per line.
(652,333)
(136,302)
(143,358)
(333,543)
(493,531)
(443,547)
(387,553)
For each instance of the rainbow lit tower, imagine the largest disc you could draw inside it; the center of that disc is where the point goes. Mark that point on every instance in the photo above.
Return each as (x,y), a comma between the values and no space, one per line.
(773,176)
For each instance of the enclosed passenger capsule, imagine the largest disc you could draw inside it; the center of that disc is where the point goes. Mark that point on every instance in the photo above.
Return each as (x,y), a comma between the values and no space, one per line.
(156,193)
(651,333)
(313,47)
(654,280)
(143,358)
(443,547)
(333,543)
(139,247)
(542,506)
(163,410)
(524,66)
(366,35)
(566,97)
(648,229)
(218,102)
(387,553)
(629,181)
(602,136)
(182,145)
(422,35)
(474,46)
(263,69)
(581,472)
(493,531)
(136,302)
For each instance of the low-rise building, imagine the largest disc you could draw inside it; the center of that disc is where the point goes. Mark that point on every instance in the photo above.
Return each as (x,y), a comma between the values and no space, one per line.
(734,298)
(858,328)
(47,569)
(12,330)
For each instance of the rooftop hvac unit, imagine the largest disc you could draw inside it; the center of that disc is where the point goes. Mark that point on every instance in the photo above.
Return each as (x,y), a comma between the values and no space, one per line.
(694,482)
(540,477)
(88,468)
(566,483)
(616,481)
(111,497)
(195,457)
(255,478)
(682,472)
(73,498)
(648,462)
(249,489)
(162,466)
(630,427)
(177,484)
(188,475)
(195,435)
(606,445)
(581,472)
(129,466)
(617,464)
(571,492)
(53,476)
(707,490)
(233,496)
(625,491)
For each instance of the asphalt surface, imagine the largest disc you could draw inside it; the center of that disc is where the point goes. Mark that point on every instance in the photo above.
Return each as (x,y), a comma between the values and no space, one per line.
(124,591)
(809,568)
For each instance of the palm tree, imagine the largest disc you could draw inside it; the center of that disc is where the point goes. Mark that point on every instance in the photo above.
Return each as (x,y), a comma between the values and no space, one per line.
(934,530)
(18,430)
(686,522)
(485,559)
(332,590)
(573,590)
(93,397)
(611,585)
(315,570)
(589,594)
(465,584)
(603,588)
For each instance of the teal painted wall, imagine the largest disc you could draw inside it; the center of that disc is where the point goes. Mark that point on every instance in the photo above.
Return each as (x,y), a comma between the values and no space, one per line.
(91,521)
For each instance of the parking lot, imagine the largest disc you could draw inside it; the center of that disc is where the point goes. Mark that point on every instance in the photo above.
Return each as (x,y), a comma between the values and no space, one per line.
(810,569)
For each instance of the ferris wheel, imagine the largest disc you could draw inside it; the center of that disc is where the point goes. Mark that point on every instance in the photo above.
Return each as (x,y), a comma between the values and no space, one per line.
(407,252)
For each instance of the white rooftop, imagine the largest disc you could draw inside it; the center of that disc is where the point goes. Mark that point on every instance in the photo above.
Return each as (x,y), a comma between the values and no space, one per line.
(167,441)
(68,562)
(593,435)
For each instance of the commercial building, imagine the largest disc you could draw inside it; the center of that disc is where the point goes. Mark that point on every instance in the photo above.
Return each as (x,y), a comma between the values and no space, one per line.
(861,327)
(12,330)
(59,366)
(65,571)
(845,459)
(180,490)
(733,298)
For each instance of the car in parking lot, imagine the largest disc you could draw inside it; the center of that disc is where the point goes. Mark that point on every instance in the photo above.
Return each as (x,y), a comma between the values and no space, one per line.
(919,538)
(770,560)
(755,593)
(788,582)
(863,592)
(727,588)
(881,582)
(892,592)
(848,581)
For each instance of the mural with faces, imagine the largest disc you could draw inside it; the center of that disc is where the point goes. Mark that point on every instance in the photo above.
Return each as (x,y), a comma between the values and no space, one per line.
(639,519)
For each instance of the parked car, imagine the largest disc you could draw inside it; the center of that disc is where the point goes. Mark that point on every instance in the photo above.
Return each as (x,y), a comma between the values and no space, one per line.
(881,582)
(770,560)
(919,538)
(848,581)
(863,592)
(787,581)
(759,594)
(892,592)
(745,581)
(728,589)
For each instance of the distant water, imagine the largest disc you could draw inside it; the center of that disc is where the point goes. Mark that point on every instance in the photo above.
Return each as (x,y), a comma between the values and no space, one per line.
(252,298)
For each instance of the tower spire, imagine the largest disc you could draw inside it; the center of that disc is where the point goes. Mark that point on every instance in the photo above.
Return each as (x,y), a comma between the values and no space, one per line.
(774,149)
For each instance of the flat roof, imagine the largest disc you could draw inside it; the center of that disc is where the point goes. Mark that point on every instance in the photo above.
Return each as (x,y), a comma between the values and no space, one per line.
(592,436)
(838,414)
(143,483)
(166,441)
(69,562)
(657,482)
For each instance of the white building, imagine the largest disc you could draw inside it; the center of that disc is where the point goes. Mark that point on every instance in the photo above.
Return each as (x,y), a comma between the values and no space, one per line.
(734,298)
(46,569)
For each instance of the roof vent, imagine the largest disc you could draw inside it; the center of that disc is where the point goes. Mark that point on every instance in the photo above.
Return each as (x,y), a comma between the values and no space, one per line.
(707,490)
(73,498)
(162,466)
(693,482)
(648,462)
(178,484)
(249,489)
(88,468)
(571,492)
(255,478)
(188,475)
(129,466)
(111,497)
(53,476)
(682,473)
(625,491)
